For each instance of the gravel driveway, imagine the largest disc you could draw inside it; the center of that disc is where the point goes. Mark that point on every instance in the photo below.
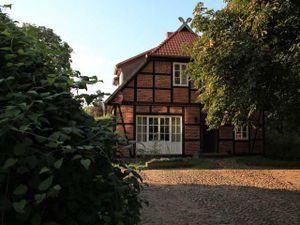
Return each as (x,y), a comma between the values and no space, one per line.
(190,197)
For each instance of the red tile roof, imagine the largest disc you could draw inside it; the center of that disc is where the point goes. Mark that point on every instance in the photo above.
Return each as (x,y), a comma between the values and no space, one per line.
(172,46)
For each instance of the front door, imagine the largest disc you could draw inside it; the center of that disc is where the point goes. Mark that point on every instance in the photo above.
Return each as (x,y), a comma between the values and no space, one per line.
(159,135)
(209,140)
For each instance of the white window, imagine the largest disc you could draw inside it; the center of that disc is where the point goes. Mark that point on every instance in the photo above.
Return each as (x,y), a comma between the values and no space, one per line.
(158,128)
(176,129)
(179,76)
(241,133)
(121,79)
(141,127)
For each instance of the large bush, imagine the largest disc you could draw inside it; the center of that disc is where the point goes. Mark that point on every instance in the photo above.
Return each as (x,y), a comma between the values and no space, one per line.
(283,145)
(55,161)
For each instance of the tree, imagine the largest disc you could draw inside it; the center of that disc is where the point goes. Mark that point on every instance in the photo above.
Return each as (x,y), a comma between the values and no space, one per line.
(247,61)
(56,162)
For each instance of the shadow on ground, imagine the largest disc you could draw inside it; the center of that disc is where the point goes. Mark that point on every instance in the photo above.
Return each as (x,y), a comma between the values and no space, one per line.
(205,204)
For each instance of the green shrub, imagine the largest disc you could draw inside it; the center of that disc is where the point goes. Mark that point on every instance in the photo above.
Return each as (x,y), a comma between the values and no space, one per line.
(283,145)
(55,161)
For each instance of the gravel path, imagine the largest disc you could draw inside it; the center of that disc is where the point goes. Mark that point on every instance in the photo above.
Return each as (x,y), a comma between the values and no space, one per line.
(190,197)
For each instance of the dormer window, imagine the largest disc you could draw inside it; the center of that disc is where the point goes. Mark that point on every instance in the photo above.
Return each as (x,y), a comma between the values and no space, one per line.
(179,76)
(121,79)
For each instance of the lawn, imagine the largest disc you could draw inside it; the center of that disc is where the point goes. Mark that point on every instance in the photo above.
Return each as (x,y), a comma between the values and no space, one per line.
(238,162)
(264,162)
(194,163)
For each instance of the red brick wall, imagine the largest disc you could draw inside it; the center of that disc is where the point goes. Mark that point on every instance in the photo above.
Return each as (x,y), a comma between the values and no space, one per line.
(148,68)
(192,115)
(162,96)
(128,94)
(144,95)
(192,148)
(259,133)
(241,147)
(143,109)
(181,95)
(144,80)
(130,84)
(175,109)
(127,111)
(192,132)
(225,132)
(162,81)
(225,146)
(258,146)
(159,109)
(129,130)
(162,67)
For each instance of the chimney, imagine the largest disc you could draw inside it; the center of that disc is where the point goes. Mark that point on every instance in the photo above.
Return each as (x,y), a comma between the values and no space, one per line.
(168,34)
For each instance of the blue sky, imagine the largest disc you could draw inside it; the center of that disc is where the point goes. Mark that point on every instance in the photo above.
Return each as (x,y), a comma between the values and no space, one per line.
(105,32)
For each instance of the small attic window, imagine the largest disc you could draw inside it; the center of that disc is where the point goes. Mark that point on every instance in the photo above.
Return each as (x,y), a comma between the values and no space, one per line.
(179,76)
(121,79)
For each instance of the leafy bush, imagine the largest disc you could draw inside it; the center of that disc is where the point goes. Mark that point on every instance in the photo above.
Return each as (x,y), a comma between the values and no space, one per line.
(283,145)
(55,161)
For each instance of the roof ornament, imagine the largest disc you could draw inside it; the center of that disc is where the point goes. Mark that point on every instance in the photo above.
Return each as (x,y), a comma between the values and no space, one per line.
(185,21)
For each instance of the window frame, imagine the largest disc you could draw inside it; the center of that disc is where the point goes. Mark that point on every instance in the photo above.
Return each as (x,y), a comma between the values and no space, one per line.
(241,130)
(180,74)
(170,127)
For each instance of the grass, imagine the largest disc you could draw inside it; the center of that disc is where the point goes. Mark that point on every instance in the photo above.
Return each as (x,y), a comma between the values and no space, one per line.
(203,164)
(260,161)
(193,162)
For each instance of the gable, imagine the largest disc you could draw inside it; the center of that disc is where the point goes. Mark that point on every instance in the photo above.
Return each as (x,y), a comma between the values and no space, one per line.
(170,47)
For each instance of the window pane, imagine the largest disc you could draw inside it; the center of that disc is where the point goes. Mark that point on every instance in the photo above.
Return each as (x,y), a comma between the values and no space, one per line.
(139,129)
(177,67)
(167,137)
(162,137)
(139,137)
(177,73)
(184,79)
(144,137)
(139,120)
(150,137)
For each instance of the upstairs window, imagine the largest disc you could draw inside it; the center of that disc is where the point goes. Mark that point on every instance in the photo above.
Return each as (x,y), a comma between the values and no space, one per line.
(241,133)
(121,78)
(179,76)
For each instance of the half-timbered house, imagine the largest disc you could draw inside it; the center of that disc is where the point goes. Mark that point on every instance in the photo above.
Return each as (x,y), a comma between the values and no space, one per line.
(158,104)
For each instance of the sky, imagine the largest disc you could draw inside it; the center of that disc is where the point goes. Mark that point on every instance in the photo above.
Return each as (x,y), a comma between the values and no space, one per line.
(105,32)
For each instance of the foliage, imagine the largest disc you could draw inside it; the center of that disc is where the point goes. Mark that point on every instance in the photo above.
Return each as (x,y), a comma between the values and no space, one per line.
(247,61)
(55,161)
(283,145)
(96,111)
(264,162)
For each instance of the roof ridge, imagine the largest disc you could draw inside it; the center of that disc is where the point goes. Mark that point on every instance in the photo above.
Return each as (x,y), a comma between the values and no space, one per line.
(163,42)
(154,50)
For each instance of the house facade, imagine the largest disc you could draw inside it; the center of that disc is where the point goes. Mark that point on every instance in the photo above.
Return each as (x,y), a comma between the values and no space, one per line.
(158,107)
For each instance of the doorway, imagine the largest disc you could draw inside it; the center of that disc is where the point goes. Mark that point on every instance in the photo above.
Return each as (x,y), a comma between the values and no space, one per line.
(209,140)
